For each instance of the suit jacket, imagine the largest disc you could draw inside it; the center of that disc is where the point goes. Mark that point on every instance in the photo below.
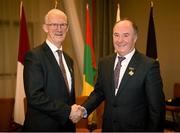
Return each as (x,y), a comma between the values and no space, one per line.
(139,104)
(48,100)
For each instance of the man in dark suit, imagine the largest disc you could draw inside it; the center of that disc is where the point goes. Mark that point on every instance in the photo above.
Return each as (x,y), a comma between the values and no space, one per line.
(49,88)
(137,103)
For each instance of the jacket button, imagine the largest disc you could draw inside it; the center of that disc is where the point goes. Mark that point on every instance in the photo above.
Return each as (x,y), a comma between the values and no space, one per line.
(114,121)
(115,105)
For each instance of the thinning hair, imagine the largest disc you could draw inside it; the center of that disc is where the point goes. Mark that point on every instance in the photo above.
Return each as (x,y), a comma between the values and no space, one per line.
(55,12)
(135,28)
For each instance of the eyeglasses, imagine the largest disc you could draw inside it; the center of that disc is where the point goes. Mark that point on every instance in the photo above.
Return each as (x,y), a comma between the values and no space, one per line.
(63,26)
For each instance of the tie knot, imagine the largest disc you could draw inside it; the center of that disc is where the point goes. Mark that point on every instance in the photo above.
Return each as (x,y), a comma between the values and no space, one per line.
(59,52)
(120,59)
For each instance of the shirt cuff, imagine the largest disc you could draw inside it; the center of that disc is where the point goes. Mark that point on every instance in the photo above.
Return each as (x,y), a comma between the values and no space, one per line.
(85,113)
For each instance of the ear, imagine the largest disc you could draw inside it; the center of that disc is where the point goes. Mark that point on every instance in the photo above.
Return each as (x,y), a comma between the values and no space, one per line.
(67,28)
(45,28)
(135,39)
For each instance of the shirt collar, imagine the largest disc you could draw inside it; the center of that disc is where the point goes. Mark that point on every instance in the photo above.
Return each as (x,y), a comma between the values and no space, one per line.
(129,55)
(52,46)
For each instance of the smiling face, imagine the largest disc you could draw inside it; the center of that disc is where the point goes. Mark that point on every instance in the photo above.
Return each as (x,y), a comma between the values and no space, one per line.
(124,37)
(56,26)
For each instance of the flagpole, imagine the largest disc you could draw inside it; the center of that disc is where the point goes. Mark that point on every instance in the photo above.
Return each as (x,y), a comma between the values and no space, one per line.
(118,13)
(118,17)
(151,3)
(21,3)
(55,5)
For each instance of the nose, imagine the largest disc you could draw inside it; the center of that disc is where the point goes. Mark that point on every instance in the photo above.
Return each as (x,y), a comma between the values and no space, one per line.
(59,27)
(120,38)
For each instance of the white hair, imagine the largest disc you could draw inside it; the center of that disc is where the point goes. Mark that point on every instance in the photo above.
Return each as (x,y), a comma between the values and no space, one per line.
(54,12)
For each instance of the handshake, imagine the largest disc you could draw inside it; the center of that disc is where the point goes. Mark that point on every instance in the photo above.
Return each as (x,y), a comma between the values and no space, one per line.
(77,113)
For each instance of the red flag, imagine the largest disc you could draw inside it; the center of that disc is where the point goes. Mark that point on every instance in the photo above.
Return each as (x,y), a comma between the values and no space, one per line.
(19,114)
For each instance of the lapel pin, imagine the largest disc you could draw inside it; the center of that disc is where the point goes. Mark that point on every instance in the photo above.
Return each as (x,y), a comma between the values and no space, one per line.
(131,71)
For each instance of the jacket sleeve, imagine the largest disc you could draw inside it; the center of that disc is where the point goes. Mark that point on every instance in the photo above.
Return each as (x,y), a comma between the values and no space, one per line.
(155,98)
(96,96)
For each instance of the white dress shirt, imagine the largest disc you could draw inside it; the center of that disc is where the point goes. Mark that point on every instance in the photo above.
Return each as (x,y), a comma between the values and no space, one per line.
(54,50)
(124,65)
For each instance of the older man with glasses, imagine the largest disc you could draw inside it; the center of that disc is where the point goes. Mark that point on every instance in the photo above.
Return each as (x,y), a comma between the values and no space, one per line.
(49,80)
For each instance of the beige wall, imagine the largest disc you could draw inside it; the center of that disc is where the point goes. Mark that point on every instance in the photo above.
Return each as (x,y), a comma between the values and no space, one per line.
(167,26)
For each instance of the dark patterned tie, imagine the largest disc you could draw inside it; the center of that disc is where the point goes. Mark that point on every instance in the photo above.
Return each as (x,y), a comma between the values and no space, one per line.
(61,65)
(117,71)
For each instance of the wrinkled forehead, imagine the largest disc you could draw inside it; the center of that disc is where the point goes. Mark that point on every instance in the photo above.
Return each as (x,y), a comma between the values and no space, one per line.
(55,14)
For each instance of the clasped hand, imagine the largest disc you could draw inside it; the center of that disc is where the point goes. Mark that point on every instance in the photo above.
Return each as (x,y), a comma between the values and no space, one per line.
(77,112)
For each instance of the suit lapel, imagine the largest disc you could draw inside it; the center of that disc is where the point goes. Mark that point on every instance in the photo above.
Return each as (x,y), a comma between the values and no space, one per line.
(56,69)
(53,60)
(130,70)
(112,73)
(51,57)
(70,65)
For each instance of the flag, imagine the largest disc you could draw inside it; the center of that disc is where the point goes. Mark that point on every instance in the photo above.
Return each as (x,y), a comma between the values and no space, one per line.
(19,113)
(118,13)
(89,59)
(89,65)
(151,50)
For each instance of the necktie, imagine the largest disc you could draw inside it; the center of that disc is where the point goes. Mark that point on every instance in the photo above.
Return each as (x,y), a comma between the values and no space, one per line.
(117,71)
(61,65)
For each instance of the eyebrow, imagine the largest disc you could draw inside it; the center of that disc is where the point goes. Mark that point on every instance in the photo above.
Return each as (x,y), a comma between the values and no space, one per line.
(116,33)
